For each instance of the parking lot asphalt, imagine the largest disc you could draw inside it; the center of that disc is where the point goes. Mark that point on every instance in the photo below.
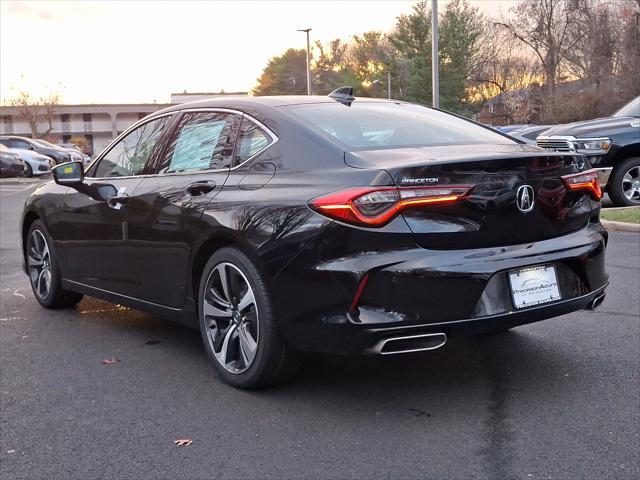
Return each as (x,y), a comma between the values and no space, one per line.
(559,399)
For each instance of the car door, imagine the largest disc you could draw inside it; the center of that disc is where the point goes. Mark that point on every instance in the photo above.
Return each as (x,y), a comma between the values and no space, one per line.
(164,217)
(93,222)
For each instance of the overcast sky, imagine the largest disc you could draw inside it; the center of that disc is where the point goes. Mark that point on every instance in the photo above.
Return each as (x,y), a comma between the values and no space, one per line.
(135,52)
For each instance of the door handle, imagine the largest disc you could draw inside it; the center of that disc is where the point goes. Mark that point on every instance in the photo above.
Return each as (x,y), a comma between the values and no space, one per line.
(117,202)
(200,188)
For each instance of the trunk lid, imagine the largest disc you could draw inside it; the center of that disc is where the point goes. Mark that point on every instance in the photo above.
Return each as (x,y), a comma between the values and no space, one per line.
(489,216)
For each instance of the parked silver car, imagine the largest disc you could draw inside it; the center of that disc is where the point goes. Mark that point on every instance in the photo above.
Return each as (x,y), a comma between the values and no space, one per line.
(35,163)
(72,146)
(76,155)
(530,133)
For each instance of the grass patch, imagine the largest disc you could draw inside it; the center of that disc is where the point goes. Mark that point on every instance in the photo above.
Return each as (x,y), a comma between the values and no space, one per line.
(628,214)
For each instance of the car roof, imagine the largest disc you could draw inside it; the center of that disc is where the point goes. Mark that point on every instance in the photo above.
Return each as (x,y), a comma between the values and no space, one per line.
(247,102)
(17,137)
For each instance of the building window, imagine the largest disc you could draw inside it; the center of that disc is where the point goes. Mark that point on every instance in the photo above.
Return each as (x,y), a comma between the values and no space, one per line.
(7,121)
(89,139)
(86,119)
(65,118)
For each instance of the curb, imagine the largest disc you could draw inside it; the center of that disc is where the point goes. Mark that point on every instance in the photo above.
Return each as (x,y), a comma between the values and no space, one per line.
(620,226)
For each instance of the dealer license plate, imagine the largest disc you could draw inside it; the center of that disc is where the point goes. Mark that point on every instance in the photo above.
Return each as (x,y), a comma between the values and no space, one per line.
(534,286)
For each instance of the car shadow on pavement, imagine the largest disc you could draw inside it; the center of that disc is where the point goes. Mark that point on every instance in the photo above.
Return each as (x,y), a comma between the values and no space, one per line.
(486,362)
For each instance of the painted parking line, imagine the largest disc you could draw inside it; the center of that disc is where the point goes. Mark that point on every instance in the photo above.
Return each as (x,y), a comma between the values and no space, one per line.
(12,189)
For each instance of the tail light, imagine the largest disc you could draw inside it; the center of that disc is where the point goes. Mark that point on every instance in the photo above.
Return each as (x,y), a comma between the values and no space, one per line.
(375,207)
(586,181)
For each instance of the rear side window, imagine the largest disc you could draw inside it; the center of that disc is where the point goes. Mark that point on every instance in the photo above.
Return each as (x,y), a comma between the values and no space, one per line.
(202,141)
(390,125)
(252,139)
(19,144)
(129,156)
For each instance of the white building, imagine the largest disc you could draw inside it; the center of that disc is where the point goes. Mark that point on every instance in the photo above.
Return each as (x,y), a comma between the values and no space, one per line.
(99,124)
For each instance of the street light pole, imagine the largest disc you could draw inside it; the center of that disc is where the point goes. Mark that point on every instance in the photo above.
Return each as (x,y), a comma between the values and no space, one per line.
(307,30)
(389,84)
(435,54)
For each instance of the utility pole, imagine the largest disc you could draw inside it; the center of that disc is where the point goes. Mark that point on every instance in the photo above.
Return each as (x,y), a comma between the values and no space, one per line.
(435,54)
(389,84)
(307,30)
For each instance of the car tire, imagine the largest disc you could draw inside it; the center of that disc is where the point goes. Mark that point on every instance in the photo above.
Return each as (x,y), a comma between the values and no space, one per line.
(237,323)
(621,183)
(28,170)
(43,271)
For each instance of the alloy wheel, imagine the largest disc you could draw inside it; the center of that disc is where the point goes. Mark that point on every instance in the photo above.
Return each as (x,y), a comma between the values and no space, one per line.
(39,263)
(231,318)
(631,184)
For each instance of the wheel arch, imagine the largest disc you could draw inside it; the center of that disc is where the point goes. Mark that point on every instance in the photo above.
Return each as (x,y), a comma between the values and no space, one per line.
(208,247)
(27,220)
(631,150)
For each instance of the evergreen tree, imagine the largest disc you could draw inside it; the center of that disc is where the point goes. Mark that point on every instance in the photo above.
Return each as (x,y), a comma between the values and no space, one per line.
(284,75)
(461,28)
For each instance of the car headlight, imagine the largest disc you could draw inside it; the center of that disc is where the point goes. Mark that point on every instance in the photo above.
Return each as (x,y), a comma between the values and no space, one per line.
(592,146)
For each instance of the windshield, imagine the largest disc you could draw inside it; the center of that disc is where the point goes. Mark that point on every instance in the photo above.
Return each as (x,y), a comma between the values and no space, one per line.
(631,109)
(41,142)
(369,125)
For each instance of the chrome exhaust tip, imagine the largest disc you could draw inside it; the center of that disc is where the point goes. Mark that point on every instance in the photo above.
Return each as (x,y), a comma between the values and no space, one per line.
(410,344)
(597,301)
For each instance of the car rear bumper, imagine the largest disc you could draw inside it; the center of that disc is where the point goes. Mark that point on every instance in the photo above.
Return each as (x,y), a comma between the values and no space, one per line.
(418,291)
(352,340)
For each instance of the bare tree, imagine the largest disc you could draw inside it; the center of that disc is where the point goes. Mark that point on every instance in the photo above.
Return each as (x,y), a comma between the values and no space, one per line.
(502,66)
(545,27)
(33,111)
(628,65)
(505,70)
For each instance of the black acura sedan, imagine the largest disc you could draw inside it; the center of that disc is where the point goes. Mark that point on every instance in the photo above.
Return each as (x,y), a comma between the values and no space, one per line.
(330,224)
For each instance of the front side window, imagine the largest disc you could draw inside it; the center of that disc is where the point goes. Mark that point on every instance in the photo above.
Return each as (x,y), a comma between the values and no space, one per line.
(202,141)
(129,156)
(251,140)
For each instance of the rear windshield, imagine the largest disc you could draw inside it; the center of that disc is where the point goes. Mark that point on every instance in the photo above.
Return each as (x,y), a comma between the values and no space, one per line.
(368,125)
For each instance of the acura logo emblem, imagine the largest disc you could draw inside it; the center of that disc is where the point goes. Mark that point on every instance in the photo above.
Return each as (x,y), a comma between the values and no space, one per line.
(524,198)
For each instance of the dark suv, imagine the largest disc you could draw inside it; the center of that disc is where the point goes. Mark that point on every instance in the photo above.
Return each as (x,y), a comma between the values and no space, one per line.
(611,144)
(59,155)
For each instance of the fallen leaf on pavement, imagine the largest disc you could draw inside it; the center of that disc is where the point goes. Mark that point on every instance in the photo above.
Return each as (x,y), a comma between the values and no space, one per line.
(185,442)
(110,361)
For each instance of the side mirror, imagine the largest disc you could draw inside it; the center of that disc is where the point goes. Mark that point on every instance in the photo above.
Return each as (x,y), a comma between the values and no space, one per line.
(69,174)
(31,147)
